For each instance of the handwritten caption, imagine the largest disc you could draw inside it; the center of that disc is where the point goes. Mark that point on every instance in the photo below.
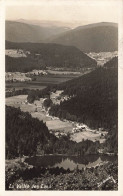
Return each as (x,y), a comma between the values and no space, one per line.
(21,186)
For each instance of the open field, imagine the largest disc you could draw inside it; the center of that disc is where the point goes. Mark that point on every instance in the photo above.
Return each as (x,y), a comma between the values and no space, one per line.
(57,124)
(55,72)
(16,53)
(78,137)
(16,76)
(16,101)
(40,82)
(22,85)
(53,79)
(53,123)
(41,116)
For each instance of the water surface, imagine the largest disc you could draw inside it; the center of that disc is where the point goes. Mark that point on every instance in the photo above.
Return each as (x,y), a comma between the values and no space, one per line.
(69,162)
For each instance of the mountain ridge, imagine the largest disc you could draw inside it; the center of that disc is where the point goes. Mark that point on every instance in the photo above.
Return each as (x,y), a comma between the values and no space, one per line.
(30,32)
(97,37)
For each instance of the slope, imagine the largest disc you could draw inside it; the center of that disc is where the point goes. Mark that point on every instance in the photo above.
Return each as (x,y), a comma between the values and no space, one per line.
(49,55)
(99,37)
(23,32)
(112,63)
(94,101)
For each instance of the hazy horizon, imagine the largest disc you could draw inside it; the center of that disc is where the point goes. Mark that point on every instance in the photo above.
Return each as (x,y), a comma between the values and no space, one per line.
(56,23)
(66,12)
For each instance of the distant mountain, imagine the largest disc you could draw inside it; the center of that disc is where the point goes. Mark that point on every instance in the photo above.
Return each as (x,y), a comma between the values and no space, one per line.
(101,24)
(49,55)
(98,37)
(24,32)
(46,23)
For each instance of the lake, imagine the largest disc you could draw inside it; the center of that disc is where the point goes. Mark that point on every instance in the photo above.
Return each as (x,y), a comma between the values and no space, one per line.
(69,162)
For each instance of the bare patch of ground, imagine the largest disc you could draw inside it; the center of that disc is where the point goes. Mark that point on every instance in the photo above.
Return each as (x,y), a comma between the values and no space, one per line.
(16,53)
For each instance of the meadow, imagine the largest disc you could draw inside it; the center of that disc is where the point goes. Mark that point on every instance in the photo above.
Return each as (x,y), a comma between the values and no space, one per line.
(37,110)
(40,82)
(24,85)
(53,78)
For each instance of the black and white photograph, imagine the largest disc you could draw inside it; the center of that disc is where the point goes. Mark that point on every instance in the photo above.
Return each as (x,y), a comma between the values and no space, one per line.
(61,95)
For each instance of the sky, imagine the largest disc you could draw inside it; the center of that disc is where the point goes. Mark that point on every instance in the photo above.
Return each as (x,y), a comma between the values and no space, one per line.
(67,11)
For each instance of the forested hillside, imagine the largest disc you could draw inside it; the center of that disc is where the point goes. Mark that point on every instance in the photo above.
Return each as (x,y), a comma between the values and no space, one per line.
(23,133)
(22,64)
(94,101)
(48,55)
(113,63)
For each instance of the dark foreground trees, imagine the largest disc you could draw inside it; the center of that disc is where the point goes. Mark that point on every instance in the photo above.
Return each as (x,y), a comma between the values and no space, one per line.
(23,133)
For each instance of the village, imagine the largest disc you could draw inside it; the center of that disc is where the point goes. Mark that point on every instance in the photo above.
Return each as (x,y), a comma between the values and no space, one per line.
(102,57)
(81,132)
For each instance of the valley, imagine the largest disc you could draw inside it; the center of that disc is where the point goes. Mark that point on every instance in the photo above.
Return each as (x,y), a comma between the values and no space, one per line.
(37,79)
(45,85)
(77,131)
(61,106)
